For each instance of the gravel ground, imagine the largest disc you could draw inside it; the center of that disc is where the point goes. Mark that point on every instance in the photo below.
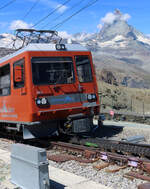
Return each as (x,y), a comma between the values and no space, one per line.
(5,176)
(5,168)
(114,180)
(5,144)
(127,129)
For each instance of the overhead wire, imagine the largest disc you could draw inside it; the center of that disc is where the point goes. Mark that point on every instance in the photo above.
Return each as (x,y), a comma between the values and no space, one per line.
(45,17)
(29,11)
(32,7)
(72,7)
(8,46)
(77,12)
(7,4)
(65,20)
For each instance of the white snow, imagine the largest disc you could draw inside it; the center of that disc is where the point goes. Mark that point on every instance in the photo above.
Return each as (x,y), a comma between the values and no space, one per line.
(7,40)
(118,41)
(143,39)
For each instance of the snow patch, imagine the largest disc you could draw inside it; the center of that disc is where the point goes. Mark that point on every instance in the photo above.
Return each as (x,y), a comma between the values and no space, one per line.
(118,41)
(7,41)
(143,39)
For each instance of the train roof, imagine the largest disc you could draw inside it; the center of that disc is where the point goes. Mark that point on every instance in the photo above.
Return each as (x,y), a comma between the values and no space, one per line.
(43,47)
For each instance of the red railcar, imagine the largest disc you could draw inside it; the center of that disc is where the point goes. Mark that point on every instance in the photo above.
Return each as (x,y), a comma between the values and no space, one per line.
(46,88)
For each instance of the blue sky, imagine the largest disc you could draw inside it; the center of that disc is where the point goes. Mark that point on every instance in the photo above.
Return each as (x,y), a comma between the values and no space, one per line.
(137,13)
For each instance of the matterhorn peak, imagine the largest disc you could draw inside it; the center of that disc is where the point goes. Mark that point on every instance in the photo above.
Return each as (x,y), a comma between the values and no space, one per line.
(115,24)
(117,12)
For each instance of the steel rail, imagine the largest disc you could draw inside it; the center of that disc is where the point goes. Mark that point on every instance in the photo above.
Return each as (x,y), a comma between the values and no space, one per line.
(96,153)
(118,146)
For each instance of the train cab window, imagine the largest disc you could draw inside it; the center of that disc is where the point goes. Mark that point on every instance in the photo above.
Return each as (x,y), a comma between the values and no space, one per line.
(83,68)
(18,70)
(52,70)
(5,80)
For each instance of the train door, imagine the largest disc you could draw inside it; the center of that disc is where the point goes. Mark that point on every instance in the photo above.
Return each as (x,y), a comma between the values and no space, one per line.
(19,90)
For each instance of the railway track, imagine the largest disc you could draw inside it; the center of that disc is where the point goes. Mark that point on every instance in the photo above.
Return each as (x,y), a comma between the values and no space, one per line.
(100,144)
(92,146)
(92,152)
(86,154)
(115,146)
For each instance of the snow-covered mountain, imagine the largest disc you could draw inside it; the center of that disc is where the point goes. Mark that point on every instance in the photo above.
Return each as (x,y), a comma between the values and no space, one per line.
(116,35)
(6,40)
(118,48)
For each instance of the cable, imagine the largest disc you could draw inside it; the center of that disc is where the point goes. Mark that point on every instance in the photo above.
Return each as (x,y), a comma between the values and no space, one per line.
(45,17)
(7,4)
(8,46)
(64,12)
(28,12)
(77,12)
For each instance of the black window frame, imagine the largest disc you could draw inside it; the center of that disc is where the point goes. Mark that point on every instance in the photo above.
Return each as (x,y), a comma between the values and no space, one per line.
(2,67)
(17,63)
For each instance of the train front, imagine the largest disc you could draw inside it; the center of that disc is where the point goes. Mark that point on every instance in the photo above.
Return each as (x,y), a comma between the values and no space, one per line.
(64,93)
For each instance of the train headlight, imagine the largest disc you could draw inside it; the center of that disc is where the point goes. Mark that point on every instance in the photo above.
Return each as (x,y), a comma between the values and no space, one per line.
(38,101)
(60,47)
(42,101)
(91,97)
(94,96)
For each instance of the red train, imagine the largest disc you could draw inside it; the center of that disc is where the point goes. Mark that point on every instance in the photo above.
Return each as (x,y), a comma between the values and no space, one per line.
(46,88)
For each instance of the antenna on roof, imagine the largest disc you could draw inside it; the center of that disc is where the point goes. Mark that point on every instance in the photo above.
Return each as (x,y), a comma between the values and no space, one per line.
(26,36)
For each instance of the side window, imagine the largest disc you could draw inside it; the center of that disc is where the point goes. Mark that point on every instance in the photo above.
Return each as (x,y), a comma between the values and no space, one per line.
(19,73)
(83,68)
(5,80)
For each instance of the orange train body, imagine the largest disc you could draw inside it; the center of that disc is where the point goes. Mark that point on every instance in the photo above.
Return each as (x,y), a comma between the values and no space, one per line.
(42,84)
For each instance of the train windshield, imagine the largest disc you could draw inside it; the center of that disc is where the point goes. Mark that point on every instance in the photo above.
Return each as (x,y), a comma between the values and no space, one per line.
(52,70)
(83,68)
